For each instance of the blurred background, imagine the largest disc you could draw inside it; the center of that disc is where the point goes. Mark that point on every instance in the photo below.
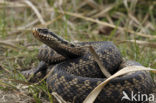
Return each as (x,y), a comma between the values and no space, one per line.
(130,24)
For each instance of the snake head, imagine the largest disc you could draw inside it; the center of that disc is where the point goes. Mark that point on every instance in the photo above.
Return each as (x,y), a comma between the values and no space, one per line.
(45,36)
(49,38)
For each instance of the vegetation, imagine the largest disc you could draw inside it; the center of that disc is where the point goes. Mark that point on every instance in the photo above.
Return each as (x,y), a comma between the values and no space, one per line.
(130,24)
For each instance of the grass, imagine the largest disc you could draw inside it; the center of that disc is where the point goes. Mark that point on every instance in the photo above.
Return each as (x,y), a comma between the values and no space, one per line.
(18,47)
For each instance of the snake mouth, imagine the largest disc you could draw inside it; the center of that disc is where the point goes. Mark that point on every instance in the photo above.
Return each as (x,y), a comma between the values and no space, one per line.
(43,34)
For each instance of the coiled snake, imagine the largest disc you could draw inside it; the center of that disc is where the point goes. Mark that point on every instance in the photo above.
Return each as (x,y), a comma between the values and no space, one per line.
(75,72)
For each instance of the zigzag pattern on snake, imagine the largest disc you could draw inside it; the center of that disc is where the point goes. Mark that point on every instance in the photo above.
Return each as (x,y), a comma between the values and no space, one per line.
(75,72)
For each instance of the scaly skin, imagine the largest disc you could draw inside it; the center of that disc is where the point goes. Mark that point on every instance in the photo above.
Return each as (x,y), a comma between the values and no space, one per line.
(77,74)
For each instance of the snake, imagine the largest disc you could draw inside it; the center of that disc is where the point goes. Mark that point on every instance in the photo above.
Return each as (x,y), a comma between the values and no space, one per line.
(75,73)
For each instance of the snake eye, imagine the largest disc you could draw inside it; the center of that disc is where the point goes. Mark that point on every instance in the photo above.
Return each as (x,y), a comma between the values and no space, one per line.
(44,31)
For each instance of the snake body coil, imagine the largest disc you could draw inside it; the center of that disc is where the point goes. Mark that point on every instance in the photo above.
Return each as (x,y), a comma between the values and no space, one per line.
(75,73)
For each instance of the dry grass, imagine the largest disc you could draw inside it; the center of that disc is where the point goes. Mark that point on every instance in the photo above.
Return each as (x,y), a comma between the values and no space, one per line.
(130,24)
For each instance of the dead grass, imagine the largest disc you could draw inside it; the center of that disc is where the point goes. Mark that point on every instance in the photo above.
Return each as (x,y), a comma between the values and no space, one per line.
(130,24)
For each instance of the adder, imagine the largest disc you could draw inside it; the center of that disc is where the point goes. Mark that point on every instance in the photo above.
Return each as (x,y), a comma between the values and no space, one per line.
(75,72)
